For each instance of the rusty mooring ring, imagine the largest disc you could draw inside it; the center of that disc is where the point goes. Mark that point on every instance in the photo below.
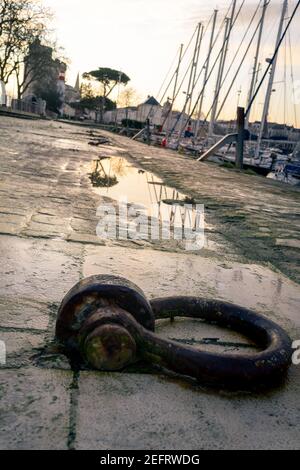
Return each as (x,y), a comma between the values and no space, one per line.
(107,322)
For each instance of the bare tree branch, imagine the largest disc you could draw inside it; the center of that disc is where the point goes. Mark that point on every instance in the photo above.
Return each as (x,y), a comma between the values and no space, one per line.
(21,21)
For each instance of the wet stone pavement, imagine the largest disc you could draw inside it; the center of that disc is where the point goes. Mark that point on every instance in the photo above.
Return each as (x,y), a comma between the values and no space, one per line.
(48,241)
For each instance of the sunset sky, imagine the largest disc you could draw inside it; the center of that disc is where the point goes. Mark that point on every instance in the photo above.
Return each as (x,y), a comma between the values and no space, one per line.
(142,37)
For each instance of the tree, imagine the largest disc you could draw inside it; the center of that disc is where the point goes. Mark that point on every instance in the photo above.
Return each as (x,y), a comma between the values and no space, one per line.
(109,79)
(21,21)
(94,103)
(128,97)
(87,90)
(91,100)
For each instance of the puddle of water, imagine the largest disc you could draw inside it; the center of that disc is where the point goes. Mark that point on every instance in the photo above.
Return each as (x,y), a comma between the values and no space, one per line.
(118,179)
(137,185)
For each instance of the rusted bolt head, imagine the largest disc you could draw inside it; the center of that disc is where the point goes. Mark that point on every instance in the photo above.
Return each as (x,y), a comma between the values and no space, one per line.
(109,347)
(92,293)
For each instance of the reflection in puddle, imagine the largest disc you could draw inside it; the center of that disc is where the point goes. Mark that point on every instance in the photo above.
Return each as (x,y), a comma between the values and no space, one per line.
(119,180)
(99,177)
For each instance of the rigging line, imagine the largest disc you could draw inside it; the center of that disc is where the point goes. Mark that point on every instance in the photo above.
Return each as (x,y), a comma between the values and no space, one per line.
(190,42)
(179,88)
(173,77)
(216,37)
(207,25)
(273,57)
(177,70)
(204,64)
(284,83)
(292,78)
(221,25)
(219,32)
(194,68)
(184,53)
(241,63)
(226,39)
(190,63)
(214,64)
(170,68)
(150,110)
(232,62)
(255,83)
(242,41)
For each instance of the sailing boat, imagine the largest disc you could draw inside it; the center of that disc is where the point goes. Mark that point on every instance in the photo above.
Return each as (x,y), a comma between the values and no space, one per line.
(260,157)
(186,132)
(287,170)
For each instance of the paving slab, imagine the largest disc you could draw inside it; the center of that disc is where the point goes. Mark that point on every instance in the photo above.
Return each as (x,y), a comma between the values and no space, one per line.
(34,409)
(23,313)
(150,412)
(21,347)
(37,269)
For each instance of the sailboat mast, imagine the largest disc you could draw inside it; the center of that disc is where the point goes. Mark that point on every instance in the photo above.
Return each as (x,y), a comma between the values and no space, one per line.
(189,89)
(271,81)
(256,58)
(195,67)
(228,28)
(212,35)
(169,119)
(177,73)
(218,83)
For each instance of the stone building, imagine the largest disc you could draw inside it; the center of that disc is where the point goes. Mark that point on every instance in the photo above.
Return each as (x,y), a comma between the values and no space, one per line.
(42,73)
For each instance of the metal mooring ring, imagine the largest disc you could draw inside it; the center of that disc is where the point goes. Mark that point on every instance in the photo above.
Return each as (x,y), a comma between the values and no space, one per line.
(107,322)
